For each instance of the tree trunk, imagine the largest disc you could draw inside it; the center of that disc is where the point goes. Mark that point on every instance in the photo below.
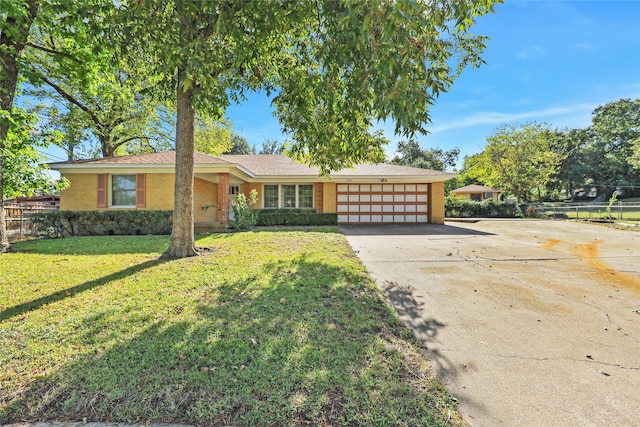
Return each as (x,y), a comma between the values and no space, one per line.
(11,47)
(182,234)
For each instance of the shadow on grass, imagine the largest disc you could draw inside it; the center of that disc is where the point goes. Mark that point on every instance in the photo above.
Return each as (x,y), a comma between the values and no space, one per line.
(425,328)
(316,345)
(74,290)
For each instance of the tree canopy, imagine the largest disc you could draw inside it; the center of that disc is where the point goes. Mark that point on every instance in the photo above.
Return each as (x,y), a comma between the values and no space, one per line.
(409,153)
(615,131)
(23,173)
(212,136)
(271,146)
(240,145)
(333,67)
(602,156)
(570,163)
(15,25)
(518,159)
(96,89)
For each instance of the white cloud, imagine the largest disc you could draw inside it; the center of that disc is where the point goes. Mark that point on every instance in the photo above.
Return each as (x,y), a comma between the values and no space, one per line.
(584,46)
(531,52)
(494,117)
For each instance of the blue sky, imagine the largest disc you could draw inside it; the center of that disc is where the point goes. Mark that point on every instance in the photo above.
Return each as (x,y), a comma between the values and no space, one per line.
(547,61)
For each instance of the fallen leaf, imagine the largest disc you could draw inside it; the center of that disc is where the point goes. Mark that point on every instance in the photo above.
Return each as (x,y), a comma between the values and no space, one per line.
(283,300)
(182,357)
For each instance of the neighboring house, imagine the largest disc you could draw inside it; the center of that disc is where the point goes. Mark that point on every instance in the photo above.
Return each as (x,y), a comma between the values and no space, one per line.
(477,193)
(366,194)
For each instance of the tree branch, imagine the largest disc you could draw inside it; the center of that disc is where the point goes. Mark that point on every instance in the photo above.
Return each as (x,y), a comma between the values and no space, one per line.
(55,52)
(71,99)
(124,141)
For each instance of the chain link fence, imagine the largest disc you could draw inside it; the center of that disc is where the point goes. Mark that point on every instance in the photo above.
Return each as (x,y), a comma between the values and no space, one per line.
(586,211)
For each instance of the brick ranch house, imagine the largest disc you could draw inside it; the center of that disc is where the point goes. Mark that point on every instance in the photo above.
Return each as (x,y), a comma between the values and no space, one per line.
(366,194)
(477,193)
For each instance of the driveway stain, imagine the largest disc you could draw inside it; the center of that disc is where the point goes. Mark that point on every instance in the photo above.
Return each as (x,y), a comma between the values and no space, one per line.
(591,254)
(551,243)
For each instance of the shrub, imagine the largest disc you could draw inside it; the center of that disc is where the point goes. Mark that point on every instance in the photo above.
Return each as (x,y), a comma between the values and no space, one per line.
(456,207)
(244,212)
(266,217)
(93,223)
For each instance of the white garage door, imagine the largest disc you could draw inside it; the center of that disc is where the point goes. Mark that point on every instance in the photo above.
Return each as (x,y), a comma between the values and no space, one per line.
(382,203)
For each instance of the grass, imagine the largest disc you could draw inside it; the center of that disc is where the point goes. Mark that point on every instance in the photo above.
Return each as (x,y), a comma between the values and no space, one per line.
(266,328)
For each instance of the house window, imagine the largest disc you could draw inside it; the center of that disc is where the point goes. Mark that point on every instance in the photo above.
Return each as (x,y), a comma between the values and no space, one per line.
(305,196)
(488,195)
(270,196)
(123,190)
(476,197)
(288,196)
(234,190)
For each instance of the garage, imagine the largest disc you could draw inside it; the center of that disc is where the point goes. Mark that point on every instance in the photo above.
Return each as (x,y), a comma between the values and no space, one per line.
(383,203)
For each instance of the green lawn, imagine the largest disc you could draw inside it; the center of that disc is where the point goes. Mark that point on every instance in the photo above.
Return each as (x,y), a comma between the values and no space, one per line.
(266,328)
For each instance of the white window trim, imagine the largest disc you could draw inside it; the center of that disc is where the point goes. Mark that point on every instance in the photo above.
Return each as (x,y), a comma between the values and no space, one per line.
(313,195)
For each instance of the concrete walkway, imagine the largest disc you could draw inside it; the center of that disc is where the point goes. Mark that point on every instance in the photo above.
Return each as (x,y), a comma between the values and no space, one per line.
(527,323)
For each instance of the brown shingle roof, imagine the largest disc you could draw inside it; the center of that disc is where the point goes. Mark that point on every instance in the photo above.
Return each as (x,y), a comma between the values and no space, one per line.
(265,165)
(164,158)
(279,165)
(270,164)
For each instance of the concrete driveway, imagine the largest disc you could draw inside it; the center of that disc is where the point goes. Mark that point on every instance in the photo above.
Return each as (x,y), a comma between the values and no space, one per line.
(527,323)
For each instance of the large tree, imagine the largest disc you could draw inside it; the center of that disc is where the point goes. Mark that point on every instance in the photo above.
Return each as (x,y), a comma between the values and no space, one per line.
(24,173)
(240,145)
(212,136)
(71,123)
(271,146)
(409,153)
(518,159)
(16,20)
(634,160)
(20,21)
(616,128)
(94,87)
(571,177)
(334,67)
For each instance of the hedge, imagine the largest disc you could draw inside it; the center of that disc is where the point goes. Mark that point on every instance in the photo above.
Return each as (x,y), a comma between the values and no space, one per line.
(93,223)
(96,223)
(461,208)
(268,217)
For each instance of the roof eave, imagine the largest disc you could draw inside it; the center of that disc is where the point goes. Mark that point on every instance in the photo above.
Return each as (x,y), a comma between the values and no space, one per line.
(397,178)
